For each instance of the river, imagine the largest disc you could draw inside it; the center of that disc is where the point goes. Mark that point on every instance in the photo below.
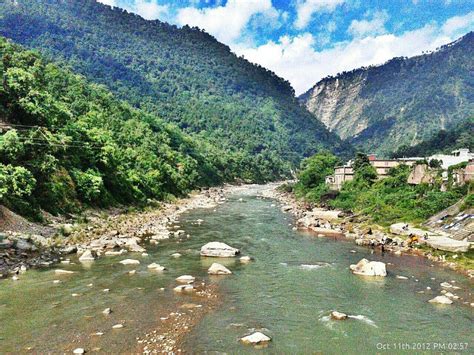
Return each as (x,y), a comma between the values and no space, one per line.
(287,292)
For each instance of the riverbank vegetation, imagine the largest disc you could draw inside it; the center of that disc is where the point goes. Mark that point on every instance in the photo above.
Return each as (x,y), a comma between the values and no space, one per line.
(384,201)
(66,143)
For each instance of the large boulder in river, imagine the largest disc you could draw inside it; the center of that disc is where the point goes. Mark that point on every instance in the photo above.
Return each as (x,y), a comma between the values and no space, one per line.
(218,269)
(369,268)
(256,338)
(219,250)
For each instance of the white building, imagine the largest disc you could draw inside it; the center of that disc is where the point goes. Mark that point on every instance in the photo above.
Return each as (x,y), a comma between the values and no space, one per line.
(456,157)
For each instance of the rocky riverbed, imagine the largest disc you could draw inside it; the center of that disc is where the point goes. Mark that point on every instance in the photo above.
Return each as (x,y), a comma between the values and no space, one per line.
(25,245)
(332,223)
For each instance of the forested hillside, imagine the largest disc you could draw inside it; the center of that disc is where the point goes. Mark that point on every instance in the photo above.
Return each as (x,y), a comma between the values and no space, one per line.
(183,75)
(65,143)
(400,103)
(460,136)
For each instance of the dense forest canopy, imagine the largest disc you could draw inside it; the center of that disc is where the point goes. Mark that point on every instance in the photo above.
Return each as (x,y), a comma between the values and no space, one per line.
(65,142)
(183,75)
(460,136)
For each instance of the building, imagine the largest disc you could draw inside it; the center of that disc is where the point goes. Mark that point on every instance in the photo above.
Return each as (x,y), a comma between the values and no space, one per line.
(456,157)
(382,167)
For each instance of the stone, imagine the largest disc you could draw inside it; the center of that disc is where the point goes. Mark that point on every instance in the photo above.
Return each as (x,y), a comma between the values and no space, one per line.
(448,244)
(218,249)
(338,315)
(67,229)
(130,262)
(401,277)
(186,279)
(245,259)
(15,278)
(63,272)
(446,285)
(115,253)
(6,244)
(441,300)
(78,351)
(107,311)
(184,288)
(256,338)
(56,281)
(369,268)
(176,255)
(132,272)
(218,269)
(87,256)
(156,267)
(24,245)
(118,326)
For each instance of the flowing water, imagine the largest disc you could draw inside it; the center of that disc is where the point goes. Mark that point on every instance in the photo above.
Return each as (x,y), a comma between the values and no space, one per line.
(287,292)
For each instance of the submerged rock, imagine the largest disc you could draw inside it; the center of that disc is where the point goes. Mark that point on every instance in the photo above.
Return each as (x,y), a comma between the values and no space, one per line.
(256,338)
(218,249)
(218,269)
(130,262)
(245,259)
(184,288)
(441,300)
(369,268)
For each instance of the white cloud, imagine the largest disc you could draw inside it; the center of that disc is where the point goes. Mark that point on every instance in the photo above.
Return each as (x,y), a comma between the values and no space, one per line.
(295,59)
(149,9)
(108,2)
(458,23)
(306,8)
(226,22)
(369,27)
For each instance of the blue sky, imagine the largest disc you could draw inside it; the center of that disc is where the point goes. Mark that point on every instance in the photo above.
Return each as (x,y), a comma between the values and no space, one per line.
(306,40)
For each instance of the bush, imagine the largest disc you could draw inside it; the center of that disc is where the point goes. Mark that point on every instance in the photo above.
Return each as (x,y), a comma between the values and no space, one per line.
(89,184)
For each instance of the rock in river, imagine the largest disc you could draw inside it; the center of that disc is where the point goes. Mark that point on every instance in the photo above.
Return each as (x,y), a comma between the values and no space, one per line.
(218,249)
(78,351)
(63,272)
(130,262)
(186,279)
(369,268)
(245,259)
(441,300)
(256,338)
(184,288)
(156,267)
(88,255)
(218,269)
(338,315)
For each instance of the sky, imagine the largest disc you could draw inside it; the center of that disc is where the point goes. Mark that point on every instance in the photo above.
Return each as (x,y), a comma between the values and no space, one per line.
(304,41)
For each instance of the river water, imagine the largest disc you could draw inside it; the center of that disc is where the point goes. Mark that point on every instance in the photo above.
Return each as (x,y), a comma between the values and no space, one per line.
(287,292)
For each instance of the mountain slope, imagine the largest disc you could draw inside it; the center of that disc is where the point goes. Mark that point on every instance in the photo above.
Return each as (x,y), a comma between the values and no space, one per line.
(460,136)
(401,102)
(65,142)
(183,75)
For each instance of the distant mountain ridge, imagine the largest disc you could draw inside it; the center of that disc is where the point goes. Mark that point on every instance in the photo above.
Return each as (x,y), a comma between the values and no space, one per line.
(183,75)
(400,103)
